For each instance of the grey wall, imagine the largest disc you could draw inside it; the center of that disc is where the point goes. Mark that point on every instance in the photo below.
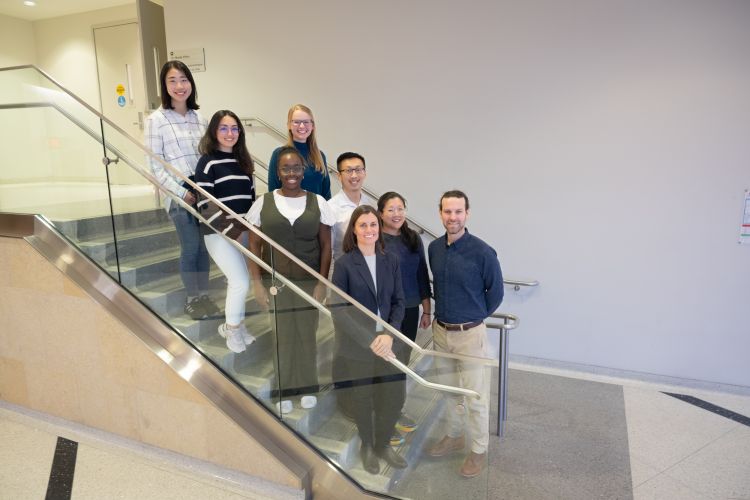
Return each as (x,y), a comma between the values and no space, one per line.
(604,146)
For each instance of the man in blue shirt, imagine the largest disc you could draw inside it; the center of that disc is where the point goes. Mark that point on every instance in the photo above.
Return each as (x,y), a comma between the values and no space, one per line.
(468,287)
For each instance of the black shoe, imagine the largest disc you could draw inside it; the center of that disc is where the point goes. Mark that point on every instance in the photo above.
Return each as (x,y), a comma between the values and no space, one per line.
(369,460)
(194,309)
(394,459)
(209,308)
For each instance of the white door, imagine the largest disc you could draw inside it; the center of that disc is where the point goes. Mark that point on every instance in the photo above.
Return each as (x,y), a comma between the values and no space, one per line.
(122,91)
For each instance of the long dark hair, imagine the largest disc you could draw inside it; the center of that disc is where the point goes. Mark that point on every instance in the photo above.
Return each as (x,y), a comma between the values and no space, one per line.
(166,99)
(209,143)
(350,239)
(408,235)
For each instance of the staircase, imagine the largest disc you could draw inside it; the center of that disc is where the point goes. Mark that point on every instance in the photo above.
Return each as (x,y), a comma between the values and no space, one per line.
(148,254)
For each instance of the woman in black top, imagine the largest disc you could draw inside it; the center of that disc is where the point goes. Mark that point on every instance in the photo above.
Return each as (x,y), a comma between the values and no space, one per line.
(226,171)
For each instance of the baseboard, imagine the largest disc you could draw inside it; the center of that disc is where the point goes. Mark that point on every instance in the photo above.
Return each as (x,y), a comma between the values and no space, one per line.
(617,376)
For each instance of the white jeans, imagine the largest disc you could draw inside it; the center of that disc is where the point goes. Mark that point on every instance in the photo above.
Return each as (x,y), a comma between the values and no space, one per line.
(232,264)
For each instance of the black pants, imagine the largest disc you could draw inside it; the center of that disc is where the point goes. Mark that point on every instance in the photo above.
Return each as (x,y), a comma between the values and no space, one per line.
(295,325)
(376,398)
(403,353)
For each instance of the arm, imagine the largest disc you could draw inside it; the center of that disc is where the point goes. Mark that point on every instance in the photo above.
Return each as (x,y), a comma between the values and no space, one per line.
(423,281)
(261,297)
(155,142)
(324,240)
(493,282)
(206,181)
(348,320)
(383,344)
(273,176)
(326,184)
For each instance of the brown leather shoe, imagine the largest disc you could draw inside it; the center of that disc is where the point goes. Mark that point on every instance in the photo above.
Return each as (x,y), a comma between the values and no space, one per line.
(446,446)
(472,466)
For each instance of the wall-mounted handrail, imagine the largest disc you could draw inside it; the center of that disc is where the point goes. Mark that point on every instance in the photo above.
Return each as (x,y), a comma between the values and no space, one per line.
(414,224)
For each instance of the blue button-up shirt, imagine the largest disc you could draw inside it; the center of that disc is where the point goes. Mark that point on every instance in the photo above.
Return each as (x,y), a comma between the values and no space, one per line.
(467,280)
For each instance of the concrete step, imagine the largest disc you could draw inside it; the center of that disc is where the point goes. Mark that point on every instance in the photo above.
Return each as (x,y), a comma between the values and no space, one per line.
(130,245)
(97,227)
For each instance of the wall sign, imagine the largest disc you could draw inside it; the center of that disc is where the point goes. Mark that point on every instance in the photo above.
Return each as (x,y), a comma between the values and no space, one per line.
(194,59)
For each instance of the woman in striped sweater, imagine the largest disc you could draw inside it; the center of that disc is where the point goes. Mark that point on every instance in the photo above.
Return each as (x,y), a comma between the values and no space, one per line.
(226,171)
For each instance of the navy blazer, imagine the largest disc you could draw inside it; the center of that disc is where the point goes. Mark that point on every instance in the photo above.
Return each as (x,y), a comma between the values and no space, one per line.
(355,331)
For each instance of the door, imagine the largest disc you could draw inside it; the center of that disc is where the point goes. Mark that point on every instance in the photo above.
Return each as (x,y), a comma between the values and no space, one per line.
(122,92)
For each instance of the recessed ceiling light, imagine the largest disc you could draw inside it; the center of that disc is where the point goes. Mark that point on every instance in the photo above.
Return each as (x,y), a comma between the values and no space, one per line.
(29,3)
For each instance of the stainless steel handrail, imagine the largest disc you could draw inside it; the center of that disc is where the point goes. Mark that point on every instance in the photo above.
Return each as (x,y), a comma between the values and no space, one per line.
(148,175)
(414,224)
(509,322)
(433,385)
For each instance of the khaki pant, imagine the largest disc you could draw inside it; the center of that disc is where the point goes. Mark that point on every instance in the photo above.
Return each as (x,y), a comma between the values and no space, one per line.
(467,375)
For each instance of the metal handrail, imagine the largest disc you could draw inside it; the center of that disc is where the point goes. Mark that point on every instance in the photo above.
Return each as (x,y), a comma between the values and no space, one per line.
(414,224)
(152,179)
(432,385)
(509,322)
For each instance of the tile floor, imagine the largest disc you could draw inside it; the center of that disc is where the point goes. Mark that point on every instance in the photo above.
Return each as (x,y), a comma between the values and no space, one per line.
(569,435)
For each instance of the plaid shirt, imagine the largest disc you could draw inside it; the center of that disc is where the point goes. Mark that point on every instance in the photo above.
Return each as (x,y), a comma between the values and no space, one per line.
(174,138)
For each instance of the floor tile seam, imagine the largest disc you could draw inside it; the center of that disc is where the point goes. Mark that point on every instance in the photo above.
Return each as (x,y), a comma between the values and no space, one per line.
(659,470)
(702,494)
(689,455)
(671,467)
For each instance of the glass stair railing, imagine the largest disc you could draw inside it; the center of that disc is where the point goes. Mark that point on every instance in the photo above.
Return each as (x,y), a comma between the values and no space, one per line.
(53,146)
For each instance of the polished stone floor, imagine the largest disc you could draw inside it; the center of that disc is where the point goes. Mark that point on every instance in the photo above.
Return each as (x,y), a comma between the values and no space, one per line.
(569,435)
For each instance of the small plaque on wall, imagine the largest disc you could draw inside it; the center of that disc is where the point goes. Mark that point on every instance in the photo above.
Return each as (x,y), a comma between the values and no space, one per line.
(194,59)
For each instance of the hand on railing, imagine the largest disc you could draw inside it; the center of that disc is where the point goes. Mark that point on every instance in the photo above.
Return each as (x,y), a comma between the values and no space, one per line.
(261,295)
(383,346)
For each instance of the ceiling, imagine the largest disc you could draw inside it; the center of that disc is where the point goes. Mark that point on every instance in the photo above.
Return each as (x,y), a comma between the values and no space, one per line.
(45,9)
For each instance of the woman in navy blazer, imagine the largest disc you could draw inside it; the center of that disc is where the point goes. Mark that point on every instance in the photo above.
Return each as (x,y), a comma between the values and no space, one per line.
(373,278)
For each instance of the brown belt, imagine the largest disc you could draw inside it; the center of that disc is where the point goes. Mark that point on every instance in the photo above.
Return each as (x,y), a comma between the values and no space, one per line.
(459,327)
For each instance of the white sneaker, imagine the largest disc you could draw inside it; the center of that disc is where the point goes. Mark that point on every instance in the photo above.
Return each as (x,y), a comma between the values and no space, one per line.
(308,402)
(246,337)
(235,341)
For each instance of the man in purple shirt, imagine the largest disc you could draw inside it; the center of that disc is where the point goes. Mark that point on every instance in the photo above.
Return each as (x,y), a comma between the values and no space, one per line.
(468,287)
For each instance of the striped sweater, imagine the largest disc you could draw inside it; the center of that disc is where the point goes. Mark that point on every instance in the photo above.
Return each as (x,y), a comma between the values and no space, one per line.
(221,175)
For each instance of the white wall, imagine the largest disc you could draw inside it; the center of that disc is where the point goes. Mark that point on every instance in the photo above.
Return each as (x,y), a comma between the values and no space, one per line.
(17,42)
(65,50)
(604,146)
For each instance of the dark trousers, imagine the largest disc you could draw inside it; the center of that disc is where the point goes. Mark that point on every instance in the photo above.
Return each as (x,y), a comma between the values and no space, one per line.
(376,398)
(409,328)
(403,352)
(295,326)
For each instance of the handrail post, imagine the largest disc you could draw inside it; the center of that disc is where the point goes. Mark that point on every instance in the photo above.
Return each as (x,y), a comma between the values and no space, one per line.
(502,387)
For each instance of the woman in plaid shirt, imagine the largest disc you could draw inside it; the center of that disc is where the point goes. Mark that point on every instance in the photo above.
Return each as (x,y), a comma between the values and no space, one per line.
(172,133)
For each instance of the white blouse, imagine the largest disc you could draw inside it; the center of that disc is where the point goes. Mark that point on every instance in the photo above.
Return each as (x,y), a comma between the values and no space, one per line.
(291,208)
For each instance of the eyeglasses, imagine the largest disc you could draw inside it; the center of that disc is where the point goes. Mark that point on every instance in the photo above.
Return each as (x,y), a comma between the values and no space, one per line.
(306,123)
(225,129)
(352,171)
(395,211)
(297,169)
